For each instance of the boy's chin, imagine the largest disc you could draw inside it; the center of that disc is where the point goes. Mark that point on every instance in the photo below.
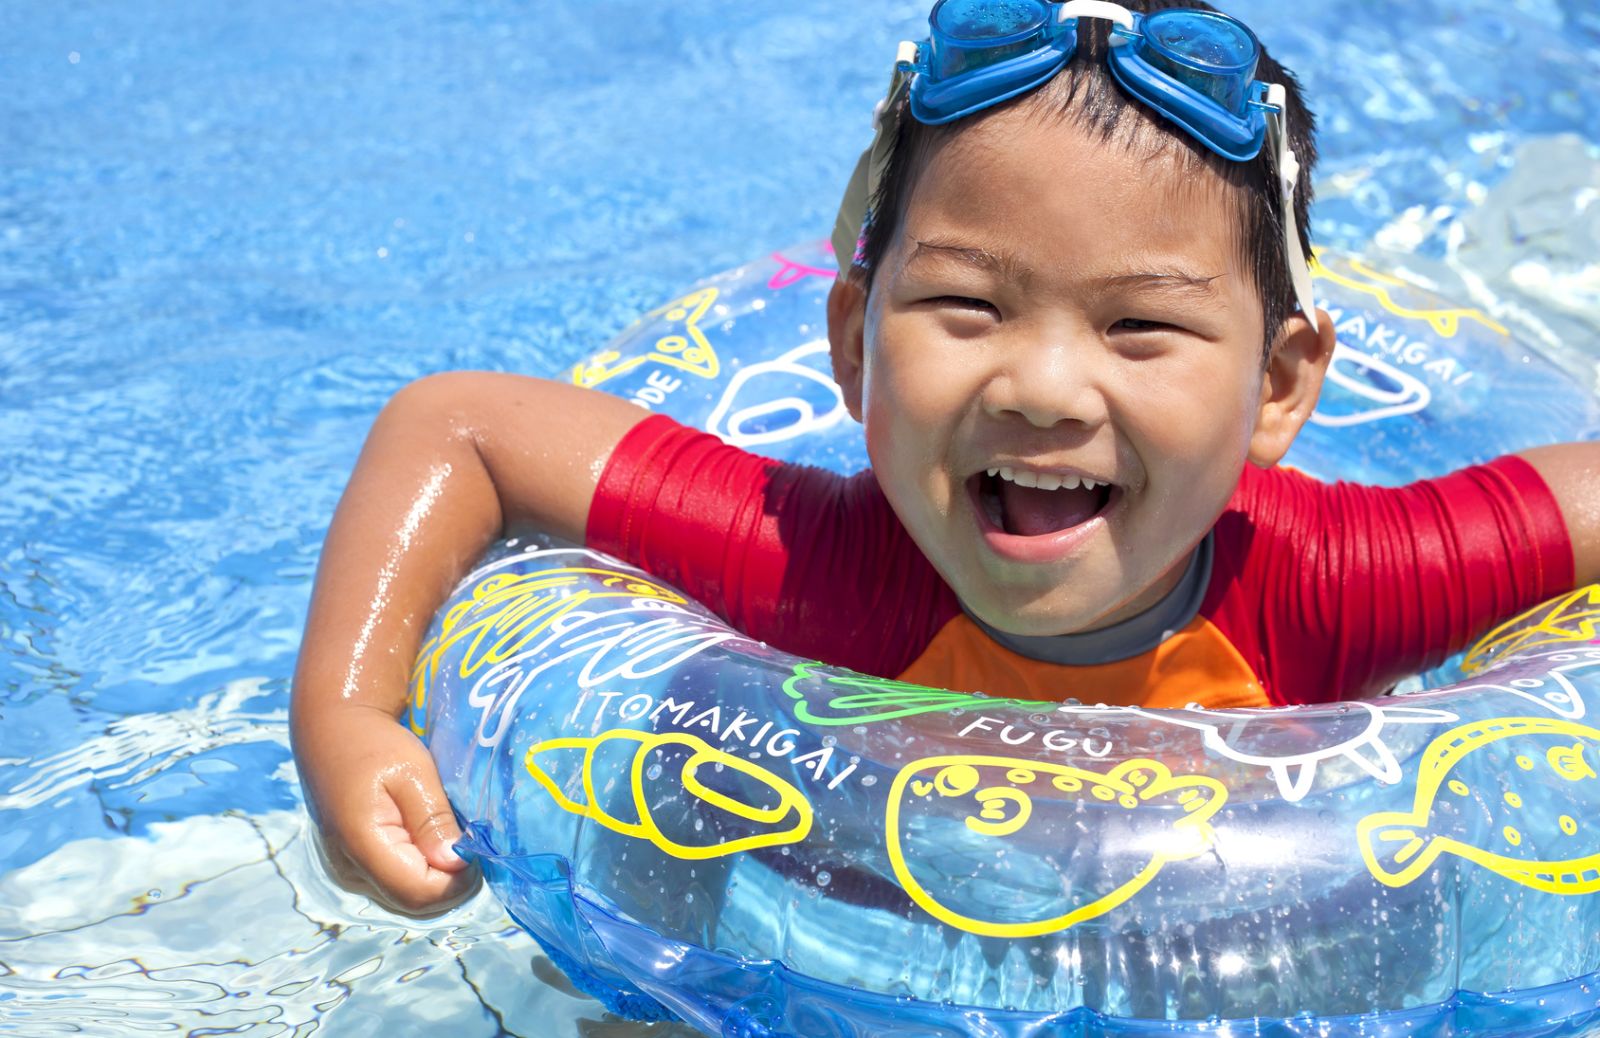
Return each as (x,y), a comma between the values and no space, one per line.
(1039,618)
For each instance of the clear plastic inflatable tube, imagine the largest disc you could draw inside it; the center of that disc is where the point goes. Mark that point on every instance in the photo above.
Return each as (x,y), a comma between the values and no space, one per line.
(696,825)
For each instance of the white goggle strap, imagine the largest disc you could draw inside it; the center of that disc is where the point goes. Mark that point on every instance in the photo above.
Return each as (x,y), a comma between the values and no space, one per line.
(850,224)
(1287,166)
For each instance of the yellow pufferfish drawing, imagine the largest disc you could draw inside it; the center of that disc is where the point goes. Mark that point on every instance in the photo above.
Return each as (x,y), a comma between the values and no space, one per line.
(662,768)
(1555,849)
(1174,809)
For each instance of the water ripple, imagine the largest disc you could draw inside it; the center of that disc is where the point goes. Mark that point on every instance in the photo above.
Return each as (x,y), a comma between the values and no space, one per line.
(234,928)
(135,749)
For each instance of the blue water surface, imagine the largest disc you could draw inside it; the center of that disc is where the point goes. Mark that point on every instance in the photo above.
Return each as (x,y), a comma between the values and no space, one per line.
(229,231)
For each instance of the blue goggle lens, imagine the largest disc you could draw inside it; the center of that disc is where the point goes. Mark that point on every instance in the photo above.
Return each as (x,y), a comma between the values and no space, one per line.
(1209,53)
(973,34)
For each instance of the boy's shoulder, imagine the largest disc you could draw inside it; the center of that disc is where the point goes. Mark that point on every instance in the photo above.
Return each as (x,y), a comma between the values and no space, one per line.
(1340,588)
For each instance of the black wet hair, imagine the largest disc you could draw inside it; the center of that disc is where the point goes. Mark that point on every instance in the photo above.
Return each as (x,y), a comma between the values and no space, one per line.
(1086,94)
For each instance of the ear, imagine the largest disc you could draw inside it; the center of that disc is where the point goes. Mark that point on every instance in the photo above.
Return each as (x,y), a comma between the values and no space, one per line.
(1290,385)
(847,319)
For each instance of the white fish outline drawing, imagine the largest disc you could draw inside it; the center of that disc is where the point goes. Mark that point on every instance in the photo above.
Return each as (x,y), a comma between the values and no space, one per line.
(729,422)
(1354,372)
(1554,691)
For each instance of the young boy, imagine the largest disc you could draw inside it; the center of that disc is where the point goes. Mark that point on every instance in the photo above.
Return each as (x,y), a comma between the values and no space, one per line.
(1072,338)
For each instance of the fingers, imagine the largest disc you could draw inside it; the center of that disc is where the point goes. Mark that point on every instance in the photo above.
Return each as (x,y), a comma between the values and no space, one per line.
(372,846)
(405,849)
(426,816)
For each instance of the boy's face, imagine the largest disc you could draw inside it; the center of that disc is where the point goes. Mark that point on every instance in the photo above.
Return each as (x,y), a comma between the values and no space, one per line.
(1061,309)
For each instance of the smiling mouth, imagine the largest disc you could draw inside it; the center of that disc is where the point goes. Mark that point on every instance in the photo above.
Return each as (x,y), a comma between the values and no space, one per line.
(1025,511)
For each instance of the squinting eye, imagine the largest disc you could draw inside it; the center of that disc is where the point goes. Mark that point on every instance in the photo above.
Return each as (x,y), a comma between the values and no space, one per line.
(1134,324)
(962,303)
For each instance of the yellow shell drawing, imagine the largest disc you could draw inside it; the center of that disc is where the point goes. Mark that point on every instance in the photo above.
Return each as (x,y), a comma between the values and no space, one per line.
(1537,762)
(659,767)
(1002,792)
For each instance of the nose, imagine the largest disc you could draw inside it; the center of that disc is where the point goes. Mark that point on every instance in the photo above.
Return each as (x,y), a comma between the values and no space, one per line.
(1047,382)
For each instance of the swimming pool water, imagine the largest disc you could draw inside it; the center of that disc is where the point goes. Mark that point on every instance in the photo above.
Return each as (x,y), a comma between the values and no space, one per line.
(229,232)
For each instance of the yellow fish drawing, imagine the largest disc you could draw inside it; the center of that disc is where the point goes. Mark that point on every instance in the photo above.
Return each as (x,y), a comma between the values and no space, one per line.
(1574,617)
(1382,287)
(1003,791)
(688,351)
(1535,776)
(666,795)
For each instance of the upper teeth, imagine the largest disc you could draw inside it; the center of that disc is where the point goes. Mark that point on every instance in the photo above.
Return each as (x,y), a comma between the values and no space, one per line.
(1045,480)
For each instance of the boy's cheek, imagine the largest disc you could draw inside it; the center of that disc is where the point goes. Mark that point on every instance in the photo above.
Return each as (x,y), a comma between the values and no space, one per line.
(906,427)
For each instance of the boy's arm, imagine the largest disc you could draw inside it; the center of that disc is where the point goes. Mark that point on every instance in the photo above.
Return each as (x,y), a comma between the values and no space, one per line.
(449,462)
(1572,472)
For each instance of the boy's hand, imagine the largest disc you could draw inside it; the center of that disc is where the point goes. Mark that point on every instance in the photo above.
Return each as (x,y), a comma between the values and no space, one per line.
(386,825)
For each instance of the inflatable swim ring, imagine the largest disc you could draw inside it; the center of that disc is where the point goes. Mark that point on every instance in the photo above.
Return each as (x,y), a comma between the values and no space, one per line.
(696,825)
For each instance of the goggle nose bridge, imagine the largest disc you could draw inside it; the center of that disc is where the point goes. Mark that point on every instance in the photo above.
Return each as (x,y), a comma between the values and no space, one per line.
(1104,9)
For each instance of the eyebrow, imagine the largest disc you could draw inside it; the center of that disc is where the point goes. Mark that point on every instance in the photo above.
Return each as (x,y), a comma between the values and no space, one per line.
(1179,281)
(1012,269)
(1007,267)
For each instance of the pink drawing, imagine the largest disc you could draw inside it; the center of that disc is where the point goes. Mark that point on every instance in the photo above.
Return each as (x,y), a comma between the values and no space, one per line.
(790,272)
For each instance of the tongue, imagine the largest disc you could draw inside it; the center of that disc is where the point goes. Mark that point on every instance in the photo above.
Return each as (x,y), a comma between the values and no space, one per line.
(1030,512)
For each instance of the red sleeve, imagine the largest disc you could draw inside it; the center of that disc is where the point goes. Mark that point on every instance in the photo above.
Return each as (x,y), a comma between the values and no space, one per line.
(814,563)
(1338,590)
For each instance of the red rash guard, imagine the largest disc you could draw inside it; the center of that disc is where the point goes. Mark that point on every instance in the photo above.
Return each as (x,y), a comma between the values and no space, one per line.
(1315,591)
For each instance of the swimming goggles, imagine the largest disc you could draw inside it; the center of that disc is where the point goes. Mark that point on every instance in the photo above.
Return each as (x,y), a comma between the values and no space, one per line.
(1196,69)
